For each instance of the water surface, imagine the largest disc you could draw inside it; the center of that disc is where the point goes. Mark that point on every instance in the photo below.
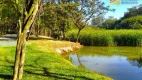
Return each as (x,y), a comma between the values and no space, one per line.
(119,63)
(7,42)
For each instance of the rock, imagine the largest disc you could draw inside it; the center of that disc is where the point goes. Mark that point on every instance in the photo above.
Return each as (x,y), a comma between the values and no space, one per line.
(67,49)
(57,50)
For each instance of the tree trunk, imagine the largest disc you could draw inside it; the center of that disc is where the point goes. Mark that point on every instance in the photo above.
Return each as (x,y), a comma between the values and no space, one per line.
(31,8)
(37,27)
(78,35)
(64,36)
(37,31)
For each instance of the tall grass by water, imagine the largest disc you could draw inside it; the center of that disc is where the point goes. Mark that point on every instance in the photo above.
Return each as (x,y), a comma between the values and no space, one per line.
(93,37)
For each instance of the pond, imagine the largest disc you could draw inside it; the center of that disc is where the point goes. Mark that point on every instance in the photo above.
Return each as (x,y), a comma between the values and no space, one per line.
(119,63)
(7,42)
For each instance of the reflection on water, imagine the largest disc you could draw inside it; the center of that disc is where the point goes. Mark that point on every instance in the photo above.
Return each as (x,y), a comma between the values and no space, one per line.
(119,63)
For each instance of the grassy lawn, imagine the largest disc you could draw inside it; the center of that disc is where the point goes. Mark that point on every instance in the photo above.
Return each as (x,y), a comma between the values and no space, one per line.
(43,64)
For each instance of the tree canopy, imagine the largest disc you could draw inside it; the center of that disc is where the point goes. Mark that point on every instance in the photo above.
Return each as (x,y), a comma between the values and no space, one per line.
(130,20)
(134,22)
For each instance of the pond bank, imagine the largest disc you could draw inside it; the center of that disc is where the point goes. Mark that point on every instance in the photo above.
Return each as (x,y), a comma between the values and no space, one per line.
(72,47)
(42,63)
(57,46)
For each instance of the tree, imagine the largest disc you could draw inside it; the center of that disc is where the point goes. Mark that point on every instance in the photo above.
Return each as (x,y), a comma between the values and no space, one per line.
(30,10)
(64,17)
(50,18)
(134,11)
(7,17)
(98,21)
(86,11)
(132,23)
(109,23)
(131,12)
(57,18)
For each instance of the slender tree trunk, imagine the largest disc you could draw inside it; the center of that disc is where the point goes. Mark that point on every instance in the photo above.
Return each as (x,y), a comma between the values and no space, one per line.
(37,31)
(64,35)
(31,8)
(37,27)
(78,35)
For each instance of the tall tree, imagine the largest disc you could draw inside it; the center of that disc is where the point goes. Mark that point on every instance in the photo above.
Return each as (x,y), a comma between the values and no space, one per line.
(7,17)
(86,11)
(57,18)
(29,13)
(50,18)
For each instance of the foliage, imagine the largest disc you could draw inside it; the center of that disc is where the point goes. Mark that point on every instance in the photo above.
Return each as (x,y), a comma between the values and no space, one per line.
(109,24)
(132,23)
(7,17)
(58,15)
(126,22)
(57,18)
(136,10)
(93,37)
(87,10)
(98,21)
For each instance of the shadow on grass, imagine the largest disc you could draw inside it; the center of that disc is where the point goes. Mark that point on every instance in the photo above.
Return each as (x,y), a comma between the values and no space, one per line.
(55,75)
(6,76)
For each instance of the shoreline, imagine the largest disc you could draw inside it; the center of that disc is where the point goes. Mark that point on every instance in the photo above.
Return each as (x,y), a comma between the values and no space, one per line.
(64,50)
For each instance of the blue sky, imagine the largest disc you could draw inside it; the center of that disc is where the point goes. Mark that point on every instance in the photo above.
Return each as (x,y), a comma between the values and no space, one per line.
(120,9)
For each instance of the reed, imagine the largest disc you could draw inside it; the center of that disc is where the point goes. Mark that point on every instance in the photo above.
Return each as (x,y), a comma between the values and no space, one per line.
(92,37)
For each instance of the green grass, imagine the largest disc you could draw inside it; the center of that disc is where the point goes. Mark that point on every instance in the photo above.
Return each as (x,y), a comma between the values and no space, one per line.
(92,37)
(43,64)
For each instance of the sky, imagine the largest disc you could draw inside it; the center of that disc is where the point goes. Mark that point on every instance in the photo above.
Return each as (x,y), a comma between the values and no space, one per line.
(119,8)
